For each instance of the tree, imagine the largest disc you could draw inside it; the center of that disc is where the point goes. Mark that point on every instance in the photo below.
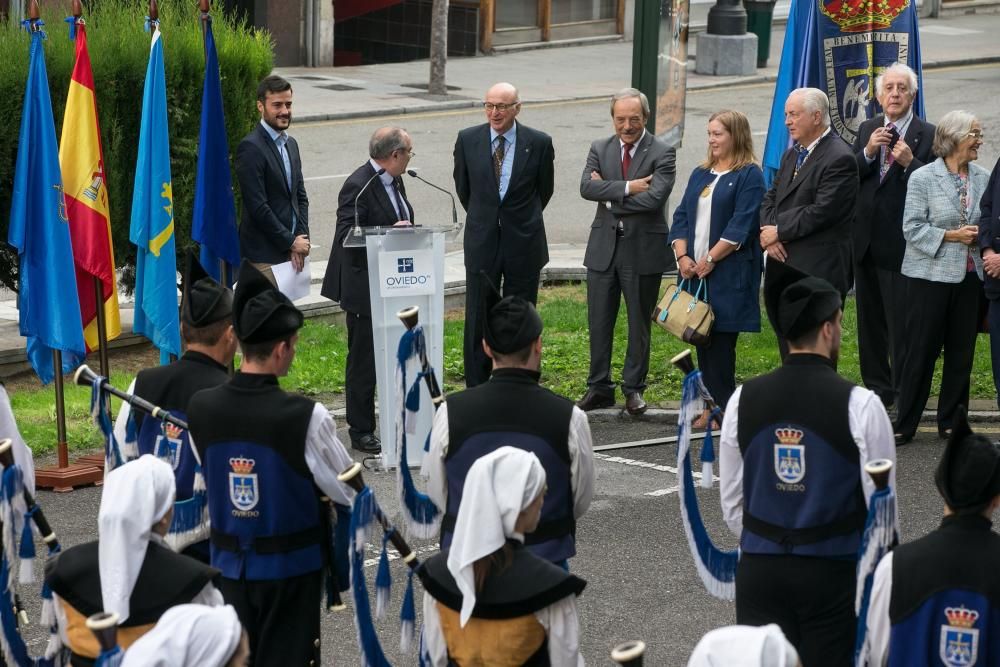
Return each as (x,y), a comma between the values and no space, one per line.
(439,47)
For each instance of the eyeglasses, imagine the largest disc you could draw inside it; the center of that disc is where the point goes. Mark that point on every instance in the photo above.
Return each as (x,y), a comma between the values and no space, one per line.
(502,108)
(976,134)
(408,151)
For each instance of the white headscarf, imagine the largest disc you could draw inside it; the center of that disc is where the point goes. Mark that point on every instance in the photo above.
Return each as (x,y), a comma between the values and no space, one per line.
(136,495)
(497,488)
(188,635)
(744,646)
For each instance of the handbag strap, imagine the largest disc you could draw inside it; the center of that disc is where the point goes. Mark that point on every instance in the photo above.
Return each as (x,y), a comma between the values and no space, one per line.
(702,287)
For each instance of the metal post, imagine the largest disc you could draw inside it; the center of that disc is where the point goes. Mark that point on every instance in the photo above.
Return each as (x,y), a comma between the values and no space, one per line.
(645,52)
(61,446)
(727,17)
(102,329)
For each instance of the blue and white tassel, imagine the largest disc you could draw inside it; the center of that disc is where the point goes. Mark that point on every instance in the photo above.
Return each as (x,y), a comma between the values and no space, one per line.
(362,515)
(407,616)
(877,540)
(100,412)
(716,568)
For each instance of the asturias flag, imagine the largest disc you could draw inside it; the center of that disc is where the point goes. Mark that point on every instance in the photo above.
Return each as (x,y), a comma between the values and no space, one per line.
(152,228)
(48,311)
(841,46)
(214,223)
(86,190)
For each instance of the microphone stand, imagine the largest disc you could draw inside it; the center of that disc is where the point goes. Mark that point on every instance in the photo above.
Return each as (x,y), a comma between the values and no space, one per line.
(355,239)
(454,208)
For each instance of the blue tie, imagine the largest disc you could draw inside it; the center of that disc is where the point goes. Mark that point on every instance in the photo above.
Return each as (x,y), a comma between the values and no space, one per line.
(803,154)
(283,152)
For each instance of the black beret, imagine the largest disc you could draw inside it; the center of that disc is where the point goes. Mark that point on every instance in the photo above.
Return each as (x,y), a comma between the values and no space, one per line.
(511,325)
(205,301)
(260,312)
(797,302)
(969,472)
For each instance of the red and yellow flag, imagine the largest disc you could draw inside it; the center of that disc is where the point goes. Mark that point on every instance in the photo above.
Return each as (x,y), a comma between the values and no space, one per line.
(81,159)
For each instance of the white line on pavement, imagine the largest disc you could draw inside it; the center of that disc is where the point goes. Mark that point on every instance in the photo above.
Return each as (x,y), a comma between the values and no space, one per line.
(324,178)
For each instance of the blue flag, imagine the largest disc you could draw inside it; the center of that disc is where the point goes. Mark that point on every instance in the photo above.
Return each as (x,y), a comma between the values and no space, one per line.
(152,228)
(48,310)
(214,223)
(840,47)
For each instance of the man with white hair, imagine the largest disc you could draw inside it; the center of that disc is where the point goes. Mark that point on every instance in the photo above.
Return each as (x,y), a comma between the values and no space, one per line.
(806,216)
(888,148)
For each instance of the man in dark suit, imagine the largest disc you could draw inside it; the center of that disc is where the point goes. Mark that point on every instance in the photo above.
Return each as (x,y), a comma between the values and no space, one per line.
(275,225)
(888,148)
(504,176)
(375,193)
(629,175)
(806,216)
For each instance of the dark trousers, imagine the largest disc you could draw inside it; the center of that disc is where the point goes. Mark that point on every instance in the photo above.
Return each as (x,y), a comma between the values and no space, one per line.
(479,298)
(281,618)
(811,600)
(604,294)
(359,381)
(882,308)
(994,322)
(717,362)
(940,316)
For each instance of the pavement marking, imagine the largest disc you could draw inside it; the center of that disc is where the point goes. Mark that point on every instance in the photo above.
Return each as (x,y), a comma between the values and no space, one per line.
(664,492)
(947,30)
(651,466)
(392,554)
(323,178)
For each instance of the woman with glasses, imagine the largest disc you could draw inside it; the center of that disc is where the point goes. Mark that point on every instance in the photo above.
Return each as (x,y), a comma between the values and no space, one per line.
(943,272)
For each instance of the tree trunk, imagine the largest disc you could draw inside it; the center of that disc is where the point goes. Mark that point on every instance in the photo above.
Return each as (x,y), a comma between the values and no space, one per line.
(439,47)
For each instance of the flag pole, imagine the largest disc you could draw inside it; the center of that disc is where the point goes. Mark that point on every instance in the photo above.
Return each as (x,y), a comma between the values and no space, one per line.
(62,447)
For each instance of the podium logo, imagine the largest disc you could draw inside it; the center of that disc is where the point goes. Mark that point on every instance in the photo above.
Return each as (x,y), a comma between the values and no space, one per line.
(404,265)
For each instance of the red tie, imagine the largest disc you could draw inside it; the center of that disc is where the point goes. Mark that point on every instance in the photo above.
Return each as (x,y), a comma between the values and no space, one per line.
(626,159)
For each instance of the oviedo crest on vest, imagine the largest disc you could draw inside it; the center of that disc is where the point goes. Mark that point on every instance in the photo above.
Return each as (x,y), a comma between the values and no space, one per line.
(789,459)
(959,645)
(858,45)
(243,485)
(169,444)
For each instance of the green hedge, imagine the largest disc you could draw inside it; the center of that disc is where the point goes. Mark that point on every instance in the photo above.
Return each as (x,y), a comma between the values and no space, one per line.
(119,53)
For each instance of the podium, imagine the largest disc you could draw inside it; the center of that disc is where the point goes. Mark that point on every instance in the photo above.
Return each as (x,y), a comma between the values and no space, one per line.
(405,268)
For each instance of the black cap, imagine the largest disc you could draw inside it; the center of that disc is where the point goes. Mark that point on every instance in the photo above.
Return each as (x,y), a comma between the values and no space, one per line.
(260,312)
(969,472)
(796,302)
(511,325)
(205,301)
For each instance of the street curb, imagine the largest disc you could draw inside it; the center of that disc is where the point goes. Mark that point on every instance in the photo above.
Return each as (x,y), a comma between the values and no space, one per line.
(452,105)
(669,415)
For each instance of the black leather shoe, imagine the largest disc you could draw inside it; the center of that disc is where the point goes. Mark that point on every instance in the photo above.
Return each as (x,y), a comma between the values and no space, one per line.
(902,439)
(367,443)
(634,404)
(594,400)
(944,433)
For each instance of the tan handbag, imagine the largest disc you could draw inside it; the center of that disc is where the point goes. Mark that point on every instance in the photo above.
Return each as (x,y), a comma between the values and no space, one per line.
(685,315)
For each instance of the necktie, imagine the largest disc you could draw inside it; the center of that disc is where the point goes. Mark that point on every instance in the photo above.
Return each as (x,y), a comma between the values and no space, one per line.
(626,159)
(803,154)
(887,157)
(401,209)
(498,158)
(286,163)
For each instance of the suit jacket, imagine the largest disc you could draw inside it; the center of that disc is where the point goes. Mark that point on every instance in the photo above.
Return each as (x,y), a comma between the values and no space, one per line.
(266,224)
(346,279)
(734,284)
(878,225)
(814,212)
(514,227)
(989,226)
(931,209)
(643,216)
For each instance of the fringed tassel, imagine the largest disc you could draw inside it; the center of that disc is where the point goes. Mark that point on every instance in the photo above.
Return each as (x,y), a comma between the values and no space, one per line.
(877,540)
(368,642)
(110,658)
(100,412)
(11,643)
(716,568)
(130,448)
(27,551)
(383,580)
(708,451)
(12,513)
(407,616)
(190,524)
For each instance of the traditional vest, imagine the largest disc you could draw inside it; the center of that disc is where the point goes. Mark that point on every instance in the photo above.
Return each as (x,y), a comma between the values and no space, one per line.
(171,387)
(165,580)
(802,491)
(945,601)
(503,630)
(512,409)
(264,506)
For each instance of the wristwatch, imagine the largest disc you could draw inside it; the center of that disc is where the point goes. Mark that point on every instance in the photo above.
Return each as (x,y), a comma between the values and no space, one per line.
(709,260)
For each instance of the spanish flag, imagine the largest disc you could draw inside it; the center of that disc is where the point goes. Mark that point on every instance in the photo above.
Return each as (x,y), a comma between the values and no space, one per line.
(85,186)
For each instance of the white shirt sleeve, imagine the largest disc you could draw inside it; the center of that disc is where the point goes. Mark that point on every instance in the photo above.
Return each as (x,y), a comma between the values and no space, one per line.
(879,626)
(210,596)
(22,453)
(731,467)
(433,467)
(562,625)
(872,432)
(327,457)
(433,645)
(121,422)
(581,456)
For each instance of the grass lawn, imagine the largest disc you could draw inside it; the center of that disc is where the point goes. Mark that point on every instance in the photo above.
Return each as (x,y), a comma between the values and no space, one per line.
(322,352)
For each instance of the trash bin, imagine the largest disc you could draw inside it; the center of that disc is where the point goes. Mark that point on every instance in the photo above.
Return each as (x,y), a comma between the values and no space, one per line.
(759,14)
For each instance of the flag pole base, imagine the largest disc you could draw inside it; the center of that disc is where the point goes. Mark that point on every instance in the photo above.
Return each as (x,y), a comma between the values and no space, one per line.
(63,479)
(95,460)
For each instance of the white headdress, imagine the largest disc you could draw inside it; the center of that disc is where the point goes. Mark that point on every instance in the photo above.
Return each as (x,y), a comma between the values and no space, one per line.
(744,646)
(188,635)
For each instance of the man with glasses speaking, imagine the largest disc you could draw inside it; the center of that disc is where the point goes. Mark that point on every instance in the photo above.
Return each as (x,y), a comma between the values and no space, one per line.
(504,175)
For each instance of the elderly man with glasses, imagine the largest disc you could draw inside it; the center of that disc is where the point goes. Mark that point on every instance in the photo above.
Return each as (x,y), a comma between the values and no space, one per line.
(504,175)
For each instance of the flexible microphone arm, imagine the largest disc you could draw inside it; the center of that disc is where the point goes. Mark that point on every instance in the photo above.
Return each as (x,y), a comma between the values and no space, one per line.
(454,209)
(357,224)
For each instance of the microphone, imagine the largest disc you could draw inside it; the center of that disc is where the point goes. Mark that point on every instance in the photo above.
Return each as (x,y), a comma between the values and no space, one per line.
(454,209)
(356,233)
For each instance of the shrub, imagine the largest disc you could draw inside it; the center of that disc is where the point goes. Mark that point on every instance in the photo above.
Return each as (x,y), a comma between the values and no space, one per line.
(119,53)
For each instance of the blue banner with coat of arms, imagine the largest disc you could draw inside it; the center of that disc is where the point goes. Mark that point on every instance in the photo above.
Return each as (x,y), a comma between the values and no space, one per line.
(841,47)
